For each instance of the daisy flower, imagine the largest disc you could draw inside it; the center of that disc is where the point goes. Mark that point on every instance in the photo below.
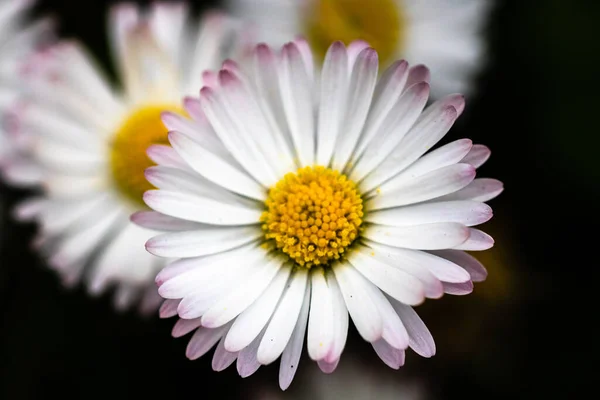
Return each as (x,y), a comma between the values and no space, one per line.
(444,35)
(88,141)
(303,197)
(17,41)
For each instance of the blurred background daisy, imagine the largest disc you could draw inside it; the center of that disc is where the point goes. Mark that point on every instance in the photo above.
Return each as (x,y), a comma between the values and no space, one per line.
(19,37)
(447,36)
(526,331)
(83,140)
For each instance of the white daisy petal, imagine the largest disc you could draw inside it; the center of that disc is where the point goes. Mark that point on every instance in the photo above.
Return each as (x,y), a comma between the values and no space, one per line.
(176,122)
(249,323)
(334,88)
(63,158)
(247,362)
(481,189)
(449,154)
(307,56)
(222,358)
(433,124)
(166,156)
(421,340)
(478,155)
(201,242)
(394,281)
(214,168)
(394,257)
(434,236)
(235,302)
(387,91)
(282,324)
(193,107)
(425,187)
(396,123)
(161,222)
(327,367)
(393,331)
(468,213)
(199,131)
(320,324)
(477,241)
(269,146)
(265,67)
(22,173)
(416,74)
(292,352)
(178,279)
(233,130)
(63,186)
(122,19)
(458,289)
(392,357)
(203,340)
(206,294)
(168,308)
(57,215)
(362,309)
(199,209)
(354,49)
(82,74)
(184,326)
(167,22)
(110,265)
(78,245)
(442,269)
(173,179)
(466,261)
(28,209)
(360,93)
(340,319)
(296,99)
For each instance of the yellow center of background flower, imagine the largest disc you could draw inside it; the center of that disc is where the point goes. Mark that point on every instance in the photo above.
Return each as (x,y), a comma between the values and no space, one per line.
(381,23)
(142,128)
(313,215)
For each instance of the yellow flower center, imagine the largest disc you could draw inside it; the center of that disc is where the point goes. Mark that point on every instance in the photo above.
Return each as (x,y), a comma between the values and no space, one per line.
(313,215)
(142,128)
(381,23)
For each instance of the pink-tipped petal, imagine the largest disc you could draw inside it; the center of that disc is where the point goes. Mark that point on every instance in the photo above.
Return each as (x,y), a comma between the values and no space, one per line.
(477,241)
(203,340)
(477,156)
(393,358)
(466,261)
(222,358)
(458,289)
(418,73)
(184,326)
(327,367)
(421,340)
(168,308)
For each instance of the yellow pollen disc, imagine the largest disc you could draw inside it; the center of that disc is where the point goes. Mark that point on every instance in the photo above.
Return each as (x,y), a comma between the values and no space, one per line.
(381,23)
(142,128)
(313,215)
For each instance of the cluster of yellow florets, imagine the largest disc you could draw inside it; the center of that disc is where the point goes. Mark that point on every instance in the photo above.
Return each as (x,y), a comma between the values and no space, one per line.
(313,215)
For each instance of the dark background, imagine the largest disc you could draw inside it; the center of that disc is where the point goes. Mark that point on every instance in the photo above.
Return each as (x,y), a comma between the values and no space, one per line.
(525,333)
